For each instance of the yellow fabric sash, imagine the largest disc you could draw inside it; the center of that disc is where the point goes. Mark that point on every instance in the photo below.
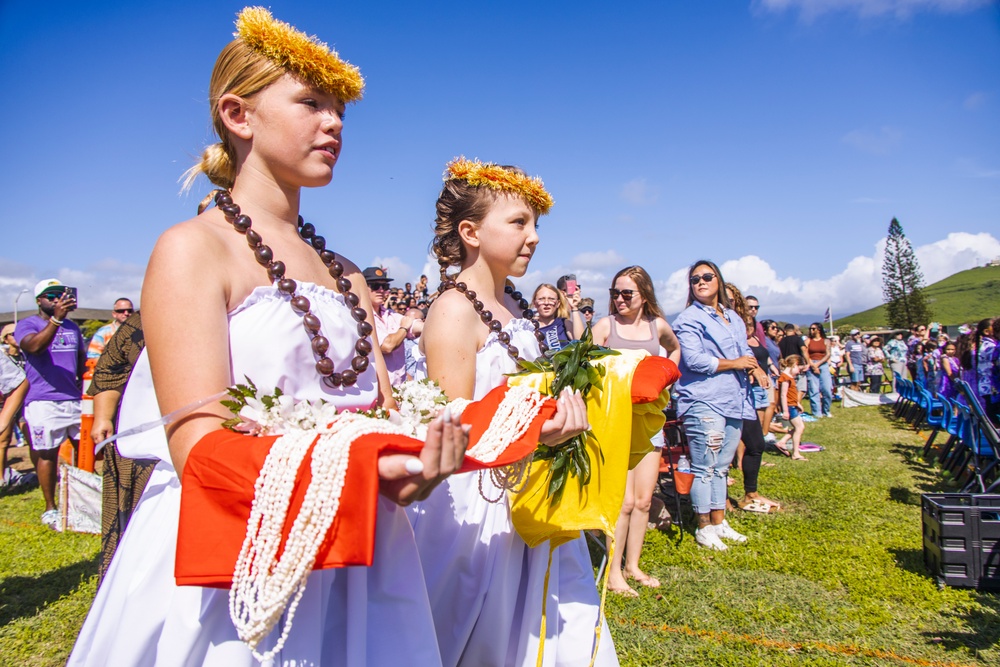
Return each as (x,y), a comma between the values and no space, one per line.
(622,431)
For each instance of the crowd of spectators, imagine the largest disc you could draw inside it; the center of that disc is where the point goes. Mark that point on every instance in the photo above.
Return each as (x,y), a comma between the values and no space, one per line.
(783,366)
(935,361)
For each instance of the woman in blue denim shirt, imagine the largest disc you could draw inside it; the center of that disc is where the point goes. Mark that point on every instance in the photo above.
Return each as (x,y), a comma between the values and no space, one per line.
(713,395)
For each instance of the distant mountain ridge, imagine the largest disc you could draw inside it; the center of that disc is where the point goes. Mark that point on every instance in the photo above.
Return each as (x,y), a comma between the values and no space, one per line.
(966,296)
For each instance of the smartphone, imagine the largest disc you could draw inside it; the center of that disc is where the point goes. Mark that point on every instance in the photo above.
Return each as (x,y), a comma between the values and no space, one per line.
(571,287)
(70,292)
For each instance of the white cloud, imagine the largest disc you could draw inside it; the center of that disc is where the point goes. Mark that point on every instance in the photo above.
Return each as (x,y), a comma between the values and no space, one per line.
(881,142)
(857,287)
(975,101)
(605,259)
(901,9)
(639,192)
(98,285)
(399,271)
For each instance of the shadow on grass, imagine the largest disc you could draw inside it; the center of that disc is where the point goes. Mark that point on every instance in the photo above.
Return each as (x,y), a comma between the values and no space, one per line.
(24,596)
(895,422)
(904,496)
(17,490)
(926,476)
(911,560)
(976,629)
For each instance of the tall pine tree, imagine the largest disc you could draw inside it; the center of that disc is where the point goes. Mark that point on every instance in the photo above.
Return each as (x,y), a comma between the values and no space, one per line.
(902,282)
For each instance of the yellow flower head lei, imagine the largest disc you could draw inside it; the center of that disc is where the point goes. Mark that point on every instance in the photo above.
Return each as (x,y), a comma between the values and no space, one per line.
(495,177)
(300,54)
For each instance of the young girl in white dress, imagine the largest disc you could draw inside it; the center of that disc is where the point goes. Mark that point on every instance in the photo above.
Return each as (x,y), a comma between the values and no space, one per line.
(486,587)
(216,310)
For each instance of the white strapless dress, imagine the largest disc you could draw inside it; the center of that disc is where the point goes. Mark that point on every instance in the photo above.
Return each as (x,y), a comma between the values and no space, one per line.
(486,586)
(354,616)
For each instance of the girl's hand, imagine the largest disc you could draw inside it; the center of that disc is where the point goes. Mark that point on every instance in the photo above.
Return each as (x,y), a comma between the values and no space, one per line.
(570,419)
(784,415)
(404,478)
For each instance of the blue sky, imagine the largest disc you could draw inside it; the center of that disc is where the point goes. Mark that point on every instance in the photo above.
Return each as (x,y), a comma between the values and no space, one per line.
(777,137)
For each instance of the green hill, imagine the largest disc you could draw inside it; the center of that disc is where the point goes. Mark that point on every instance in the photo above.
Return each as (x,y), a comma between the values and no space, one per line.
(967,296)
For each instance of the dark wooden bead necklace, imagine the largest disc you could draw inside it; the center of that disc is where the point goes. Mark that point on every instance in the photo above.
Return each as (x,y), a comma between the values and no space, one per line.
(494,325)
(300,304)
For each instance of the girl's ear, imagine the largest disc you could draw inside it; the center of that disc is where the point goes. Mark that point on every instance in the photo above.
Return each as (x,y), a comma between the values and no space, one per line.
(233,112)
(468,231)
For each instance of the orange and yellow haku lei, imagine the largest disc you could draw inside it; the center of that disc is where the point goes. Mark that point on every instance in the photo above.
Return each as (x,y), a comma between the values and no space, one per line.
(299,53)
(496,177)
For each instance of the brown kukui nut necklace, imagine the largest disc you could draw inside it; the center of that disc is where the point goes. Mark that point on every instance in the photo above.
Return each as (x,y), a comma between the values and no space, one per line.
(300,304)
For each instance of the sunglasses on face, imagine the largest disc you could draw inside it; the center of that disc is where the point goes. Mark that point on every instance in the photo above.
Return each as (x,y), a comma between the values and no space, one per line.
(753,306)
(626,294)
(586,309)
(707,277)
(378,287)
(125,310)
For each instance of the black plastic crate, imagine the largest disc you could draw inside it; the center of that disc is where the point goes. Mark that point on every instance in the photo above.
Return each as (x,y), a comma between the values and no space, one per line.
(962,539)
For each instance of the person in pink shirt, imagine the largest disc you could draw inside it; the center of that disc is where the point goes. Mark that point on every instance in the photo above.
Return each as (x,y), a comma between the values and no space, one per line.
(390,327)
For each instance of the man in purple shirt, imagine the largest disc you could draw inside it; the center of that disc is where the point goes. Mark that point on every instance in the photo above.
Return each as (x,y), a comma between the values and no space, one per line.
(55,359)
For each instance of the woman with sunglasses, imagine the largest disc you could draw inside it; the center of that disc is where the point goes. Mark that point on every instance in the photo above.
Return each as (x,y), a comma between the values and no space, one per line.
(713,395)
(819,380)
(635,323)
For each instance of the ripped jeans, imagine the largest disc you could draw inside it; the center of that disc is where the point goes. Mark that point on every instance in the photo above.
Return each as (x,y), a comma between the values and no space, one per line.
(712,439)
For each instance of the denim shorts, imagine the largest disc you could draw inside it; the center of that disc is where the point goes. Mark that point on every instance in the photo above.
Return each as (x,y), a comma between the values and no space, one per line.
(793,412)
(761,400)
(858,374)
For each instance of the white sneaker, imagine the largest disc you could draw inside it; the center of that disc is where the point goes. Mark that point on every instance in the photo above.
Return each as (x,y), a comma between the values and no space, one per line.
(770,439)
(726,532)
(50,518)
(707,537)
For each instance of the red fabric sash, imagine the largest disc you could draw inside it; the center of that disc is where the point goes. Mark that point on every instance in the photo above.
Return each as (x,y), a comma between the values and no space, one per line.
(218,487)
(221,470)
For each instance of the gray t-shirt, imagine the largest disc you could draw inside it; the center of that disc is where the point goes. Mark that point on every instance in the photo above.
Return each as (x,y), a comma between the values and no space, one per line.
(856,351)
(11,375)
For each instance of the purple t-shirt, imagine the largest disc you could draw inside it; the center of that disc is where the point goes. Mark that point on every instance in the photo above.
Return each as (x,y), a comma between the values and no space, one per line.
(52,373)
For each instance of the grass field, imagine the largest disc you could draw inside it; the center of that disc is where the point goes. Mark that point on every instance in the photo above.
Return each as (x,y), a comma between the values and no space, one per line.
(967,296)
(836,578)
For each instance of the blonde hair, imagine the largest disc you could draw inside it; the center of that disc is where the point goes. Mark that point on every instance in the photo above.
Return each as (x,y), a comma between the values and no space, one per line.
(241,71)
(562,312)
(791,360)
(459,200)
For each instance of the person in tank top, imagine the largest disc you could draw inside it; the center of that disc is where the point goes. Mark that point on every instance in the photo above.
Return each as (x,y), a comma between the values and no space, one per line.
(635,323)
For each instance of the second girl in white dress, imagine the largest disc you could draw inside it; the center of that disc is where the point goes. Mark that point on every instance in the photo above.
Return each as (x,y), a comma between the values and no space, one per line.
(486,586)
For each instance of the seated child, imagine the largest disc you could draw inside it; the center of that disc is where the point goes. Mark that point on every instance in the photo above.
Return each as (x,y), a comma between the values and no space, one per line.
(790,402)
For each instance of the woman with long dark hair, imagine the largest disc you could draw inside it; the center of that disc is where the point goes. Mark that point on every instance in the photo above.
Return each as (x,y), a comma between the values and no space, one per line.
(714,396)
(820,382)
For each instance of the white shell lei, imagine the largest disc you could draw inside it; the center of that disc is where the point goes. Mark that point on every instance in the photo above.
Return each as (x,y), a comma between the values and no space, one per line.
(263,586)
(266,586)
(515,413)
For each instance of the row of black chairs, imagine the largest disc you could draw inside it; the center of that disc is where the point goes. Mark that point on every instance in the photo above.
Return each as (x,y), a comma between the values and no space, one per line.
(969,454)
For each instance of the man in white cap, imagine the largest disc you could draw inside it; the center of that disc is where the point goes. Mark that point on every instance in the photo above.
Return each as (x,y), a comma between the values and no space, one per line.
(854,353)
(55,359)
